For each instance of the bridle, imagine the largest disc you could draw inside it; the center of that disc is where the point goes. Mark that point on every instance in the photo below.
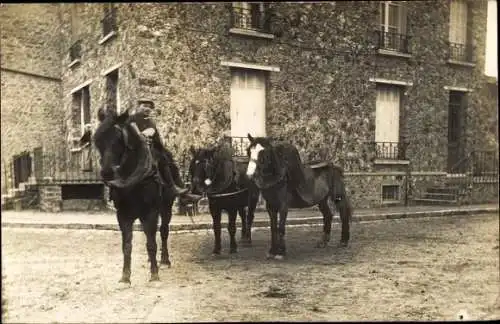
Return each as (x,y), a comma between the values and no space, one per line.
(206,164)
(281,176)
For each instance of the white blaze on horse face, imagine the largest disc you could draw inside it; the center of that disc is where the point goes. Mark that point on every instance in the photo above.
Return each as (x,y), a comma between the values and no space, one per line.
(254,154)
(208,182)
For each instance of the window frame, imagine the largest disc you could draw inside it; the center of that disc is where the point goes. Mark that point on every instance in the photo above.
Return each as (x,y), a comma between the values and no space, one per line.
(108,77)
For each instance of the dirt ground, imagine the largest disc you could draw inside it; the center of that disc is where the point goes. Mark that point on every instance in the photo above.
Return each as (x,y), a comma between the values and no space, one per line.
(418,269)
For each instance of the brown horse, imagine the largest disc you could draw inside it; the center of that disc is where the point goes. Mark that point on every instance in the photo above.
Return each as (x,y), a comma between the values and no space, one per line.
(285,183)
(128,169)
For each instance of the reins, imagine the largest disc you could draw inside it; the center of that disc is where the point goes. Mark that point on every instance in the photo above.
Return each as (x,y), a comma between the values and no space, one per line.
(226,194)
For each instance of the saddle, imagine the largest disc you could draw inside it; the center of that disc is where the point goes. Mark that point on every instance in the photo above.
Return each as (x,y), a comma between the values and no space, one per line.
(309,182)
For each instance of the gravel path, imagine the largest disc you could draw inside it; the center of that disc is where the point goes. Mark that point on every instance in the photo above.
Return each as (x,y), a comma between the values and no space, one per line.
(413,269)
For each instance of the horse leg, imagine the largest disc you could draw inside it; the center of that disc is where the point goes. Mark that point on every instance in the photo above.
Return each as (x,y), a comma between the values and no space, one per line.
(216,220)
(126,224)
(281,231)
(150,225)
(166,216)
(273,216)
(327,223)
(252,205)
(243,217)
(344,208)
(231,227)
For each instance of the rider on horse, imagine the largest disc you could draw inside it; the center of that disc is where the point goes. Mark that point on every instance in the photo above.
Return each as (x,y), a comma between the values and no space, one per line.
(170,175)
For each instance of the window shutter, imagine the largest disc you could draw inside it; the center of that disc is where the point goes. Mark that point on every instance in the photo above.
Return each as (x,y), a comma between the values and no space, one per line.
(468,24)
(403,20)
(382,15)
(453,22)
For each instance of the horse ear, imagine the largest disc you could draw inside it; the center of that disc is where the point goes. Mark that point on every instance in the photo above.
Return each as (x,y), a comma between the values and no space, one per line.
(250,138)
(123,117)
(101,114)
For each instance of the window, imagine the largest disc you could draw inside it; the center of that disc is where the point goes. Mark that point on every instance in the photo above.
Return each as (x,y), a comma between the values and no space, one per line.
(248,106)
(246,15)
(76,46)
(112,91)
(393,26)
(460,49)
(81,109)
(109,21)
(390,193)
(75,51)
(387,122)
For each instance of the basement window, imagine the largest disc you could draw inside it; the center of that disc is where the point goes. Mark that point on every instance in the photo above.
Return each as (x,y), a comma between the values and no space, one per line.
(82,191)
(390,193)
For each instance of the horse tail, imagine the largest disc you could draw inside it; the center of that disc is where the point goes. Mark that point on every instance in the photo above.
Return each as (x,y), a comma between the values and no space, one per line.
(338,192)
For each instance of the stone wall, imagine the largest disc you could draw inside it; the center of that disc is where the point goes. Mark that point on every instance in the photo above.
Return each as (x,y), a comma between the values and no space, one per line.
(96,58)
(31,113)
(50,198)
(321,100)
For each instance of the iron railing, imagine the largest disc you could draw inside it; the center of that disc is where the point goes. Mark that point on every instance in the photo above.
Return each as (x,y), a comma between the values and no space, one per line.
(461,52)
(67,166)
(390,150)
(252,18)
(109,21)
(393,41)
(75,51)
(485,165)
(239,146)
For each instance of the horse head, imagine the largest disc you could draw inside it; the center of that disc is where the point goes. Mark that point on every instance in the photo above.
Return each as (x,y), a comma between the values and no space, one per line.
(264,166)
(210,169)
(125,157)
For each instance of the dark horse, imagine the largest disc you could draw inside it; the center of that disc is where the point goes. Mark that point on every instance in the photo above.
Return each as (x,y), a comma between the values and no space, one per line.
(215,174)
(128,168)
(285,183)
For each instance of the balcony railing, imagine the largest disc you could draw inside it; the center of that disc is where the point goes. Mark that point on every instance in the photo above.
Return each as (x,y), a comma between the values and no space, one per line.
(109,22)
(390,150)
(393,42)
(75,51)
(460,52)
(239,146)
(250,19)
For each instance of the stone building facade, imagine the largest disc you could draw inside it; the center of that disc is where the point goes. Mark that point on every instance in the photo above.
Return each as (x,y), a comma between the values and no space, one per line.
(372,85)
(31,93)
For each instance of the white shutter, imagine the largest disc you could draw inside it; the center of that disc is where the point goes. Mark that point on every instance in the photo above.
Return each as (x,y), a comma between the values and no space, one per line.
(387,114)
(458,22)
(248,103)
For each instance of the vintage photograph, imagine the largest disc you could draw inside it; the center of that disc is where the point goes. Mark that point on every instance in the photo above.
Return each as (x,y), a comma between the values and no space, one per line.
(171,162)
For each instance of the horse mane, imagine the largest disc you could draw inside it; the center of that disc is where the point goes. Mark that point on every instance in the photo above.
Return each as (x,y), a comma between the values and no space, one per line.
(286,160)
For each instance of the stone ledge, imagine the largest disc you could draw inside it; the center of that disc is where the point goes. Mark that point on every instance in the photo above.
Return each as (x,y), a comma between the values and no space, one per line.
(467,64)
(249,32)
(74,63)
(108,37)
(396,162)
(393,53)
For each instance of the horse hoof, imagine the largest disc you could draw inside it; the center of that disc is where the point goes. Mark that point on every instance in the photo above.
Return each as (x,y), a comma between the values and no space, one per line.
(343,244)
(167,263)
(269,256)
(215,253)
(124,284)
(154,277)
(233,251)
(279,257)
